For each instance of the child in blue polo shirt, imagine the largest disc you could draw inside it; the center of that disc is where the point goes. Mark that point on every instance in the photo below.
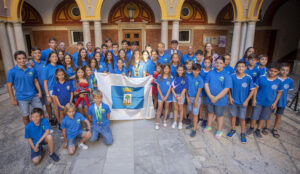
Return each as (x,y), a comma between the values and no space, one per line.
(252,69)
(217,84)
(120,69)
(188,66)
(207,62)
(227,67)
(179,87)
(239,97)
(52,48)
(109,62)
(265,98)
(193,97)
(151,63)
(48,77)
(72,130)
(62,91)
(99,115)
(164,81)
(287,84)
(262,67)
(175,61)
(162,55)
(199,58)
(26,85)
(37,132)
(189,56)
(69,66)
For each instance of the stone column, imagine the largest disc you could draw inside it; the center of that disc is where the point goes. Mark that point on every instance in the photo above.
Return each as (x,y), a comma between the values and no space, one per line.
(175,30)
(98,33)
(164,33)
(235,43)
(86,31)
(250,34)
(5,49)
(243,38)
(11,37)
(20,42)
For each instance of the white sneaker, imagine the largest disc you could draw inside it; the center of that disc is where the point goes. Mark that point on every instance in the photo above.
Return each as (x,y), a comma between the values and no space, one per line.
(179,125)
(51,131)
(83,146)
(174,125)
(157,126)
(165,123)
(171,115)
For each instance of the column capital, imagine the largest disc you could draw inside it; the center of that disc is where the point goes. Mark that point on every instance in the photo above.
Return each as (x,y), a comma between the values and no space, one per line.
(85,20)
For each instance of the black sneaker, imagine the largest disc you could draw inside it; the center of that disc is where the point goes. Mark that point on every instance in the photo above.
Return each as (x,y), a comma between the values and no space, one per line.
(237,122)
(250,131)
(190,126)
(204,122)
(54,157)
(258,133)
(193,133)
(59,128)
(52,122)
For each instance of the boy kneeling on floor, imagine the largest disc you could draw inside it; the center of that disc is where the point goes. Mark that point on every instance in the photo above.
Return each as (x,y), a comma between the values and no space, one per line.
(37,132)
(99,115)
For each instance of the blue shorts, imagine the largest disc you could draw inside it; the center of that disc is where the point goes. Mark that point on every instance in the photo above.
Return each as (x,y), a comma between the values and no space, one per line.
(179,102)
(72,142)
(261,113)
(217,110)
(24,106)
(238,110)
(280,110)
(191,106)
(104,131)
(34,154)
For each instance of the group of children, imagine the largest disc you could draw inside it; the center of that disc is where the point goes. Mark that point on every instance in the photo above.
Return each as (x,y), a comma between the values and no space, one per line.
(190,88)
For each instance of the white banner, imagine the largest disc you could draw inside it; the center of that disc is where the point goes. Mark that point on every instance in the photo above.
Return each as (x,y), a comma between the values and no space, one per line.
(128,98)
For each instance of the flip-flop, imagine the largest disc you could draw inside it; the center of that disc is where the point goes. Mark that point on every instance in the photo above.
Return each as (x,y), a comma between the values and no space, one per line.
(265,131)
(275,133)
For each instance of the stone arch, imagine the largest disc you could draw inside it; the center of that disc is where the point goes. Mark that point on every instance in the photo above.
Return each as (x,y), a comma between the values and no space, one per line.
(254,9)
(271,11)
(63,13)
(196,13)
(237,10)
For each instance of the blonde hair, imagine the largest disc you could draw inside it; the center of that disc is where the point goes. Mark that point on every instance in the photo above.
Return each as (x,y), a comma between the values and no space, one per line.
(97,93)
(160,43)
(69,106)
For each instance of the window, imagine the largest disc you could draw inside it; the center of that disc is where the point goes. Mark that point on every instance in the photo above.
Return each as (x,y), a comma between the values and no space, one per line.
(77,36)
(184,36)
(75,11)
(185,11)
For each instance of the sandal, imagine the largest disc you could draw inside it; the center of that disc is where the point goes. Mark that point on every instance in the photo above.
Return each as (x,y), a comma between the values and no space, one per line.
(265,131)
(275,133)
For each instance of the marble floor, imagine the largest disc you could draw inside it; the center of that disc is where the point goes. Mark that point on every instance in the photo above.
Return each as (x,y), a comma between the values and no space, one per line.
(139,148)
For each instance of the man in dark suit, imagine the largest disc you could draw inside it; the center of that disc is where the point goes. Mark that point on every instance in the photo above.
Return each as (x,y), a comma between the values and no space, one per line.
(173,49)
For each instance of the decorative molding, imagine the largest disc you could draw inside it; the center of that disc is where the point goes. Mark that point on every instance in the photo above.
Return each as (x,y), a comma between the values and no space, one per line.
(30,15)
(196,13)
(225,16)
(63,13)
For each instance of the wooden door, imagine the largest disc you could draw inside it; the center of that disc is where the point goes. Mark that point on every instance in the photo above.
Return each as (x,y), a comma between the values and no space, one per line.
(133,36)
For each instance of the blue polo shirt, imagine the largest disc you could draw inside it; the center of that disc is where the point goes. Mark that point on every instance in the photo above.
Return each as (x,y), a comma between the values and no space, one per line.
(49,74)
(179,84)
(187,57)
(102,67)
(229,69)
(115,57)
(217,81)
(173,70)
(129,55)
(254,73)
(45,54)
(70,72)
(165,58)
(38,67)
(241,88)
(263,71)
(164,86)
(267,90)
(82,64)
(75,57)
(72,126)
(141,69)
(104,111)
(23,82)
(123,71)
(92,81)
(36,132)
(194,85)
(203,75)
(63,91)
(151,67)
(109,67)
(90,55)
(288,84)
(189,74)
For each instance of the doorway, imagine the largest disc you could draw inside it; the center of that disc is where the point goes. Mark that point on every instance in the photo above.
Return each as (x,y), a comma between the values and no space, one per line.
(133,36)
